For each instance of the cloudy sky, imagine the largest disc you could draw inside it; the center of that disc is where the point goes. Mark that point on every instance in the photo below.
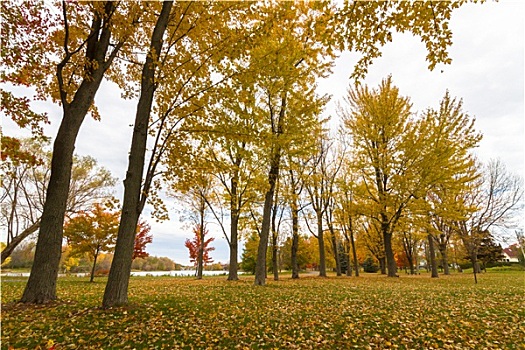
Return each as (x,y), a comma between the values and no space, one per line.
(486,72)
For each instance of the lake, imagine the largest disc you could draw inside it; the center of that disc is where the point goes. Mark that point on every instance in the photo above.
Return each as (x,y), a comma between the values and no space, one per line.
(179,273)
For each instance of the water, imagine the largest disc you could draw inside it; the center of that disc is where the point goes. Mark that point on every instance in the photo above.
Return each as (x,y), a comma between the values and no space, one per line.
(179,273)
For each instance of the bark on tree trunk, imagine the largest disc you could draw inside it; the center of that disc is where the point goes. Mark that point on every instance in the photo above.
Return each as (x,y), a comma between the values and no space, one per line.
(92,277)
(295,240)
(354,252)
(348,262)
(273,176)
(8,250)
(320,238)
(41,286)
(336,251)
(200,255)
(389,253)
(260,265)
(475,266)
(444,257)
(234,247)
(275,268)
(116,292)
(382,265)
(275,262)
(432,253)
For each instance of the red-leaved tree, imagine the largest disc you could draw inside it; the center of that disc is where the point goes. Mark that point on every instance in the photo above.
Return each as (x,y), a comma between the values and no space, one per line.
(142,238)
(199,248)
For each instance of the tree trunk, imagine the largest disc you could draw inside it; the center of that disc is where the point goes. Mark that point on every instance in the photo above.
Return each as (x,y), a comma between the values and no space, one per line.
(432,253)
(275,267)
(116,292)
(41,286)
(295,240)
(442,246)
(11,246)
(275,258)
(200,254)
(475,265)
(92,277)
(382,265)
(320,238)
(234,246)
(389,253)
(348,261)
(354,252)
(260,265)
(333,240)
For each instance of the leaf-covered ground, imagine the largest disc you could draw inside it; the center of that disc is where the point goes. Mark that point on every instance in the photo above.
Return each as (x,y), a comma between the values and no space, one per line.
(369,312)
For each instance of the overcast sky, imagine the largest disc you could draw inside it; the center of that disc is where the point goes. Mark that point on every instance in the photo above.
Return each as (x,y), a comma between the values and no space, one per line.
(486,72)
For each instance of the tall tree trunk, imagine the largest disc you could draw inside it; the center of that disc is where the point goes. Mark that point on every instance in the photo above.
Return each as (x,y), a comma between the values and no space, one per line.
(200,254)
(348,260)
(382,265)
(432,253)
(8,250)
(275,258)
(295,239)
(92,276)
(116,292)
(234,246)
(275,267)
(273,176)
(389,252)
(475,265)
(234,225)
(442,246)
(409,251)
(320,238)
(260,265)
(41,285)
(333,240)
(354,252)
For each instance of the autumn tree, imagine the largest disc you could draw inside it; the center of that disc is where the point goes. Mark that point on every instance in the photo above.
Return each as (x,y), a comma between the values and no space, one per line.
(491,202)
(347,211)
(142,238)
(25,184)
(25,27)
(117,286)
(82,50)
(176,75)
(320,186)
(383,134)
(292,61)
(199,249)
(92,232)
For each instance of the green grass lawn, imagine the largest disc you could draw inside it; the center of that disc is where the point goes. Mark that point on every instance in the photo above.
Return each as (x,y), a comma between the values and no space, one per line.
(372,311)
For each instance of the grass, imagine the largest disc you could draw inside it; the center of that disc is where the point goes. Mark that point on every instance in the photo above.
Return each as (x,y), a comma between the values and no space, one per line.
(372,311)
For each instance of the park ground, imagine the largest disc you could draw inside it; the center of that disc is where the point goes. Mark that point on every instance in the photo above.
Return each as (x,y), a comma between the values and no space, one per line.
(368,312)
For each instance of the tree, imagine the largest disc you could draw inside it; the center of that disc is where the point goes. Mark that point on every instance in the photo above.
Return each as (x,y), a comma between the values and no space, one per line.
(249,254)
(490,202)
(84,57)
(199,248)
(286,89)
(489,251)
(92,232)
(142,238)
(383,134)
(176,75)
(24,187)
(116,292)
